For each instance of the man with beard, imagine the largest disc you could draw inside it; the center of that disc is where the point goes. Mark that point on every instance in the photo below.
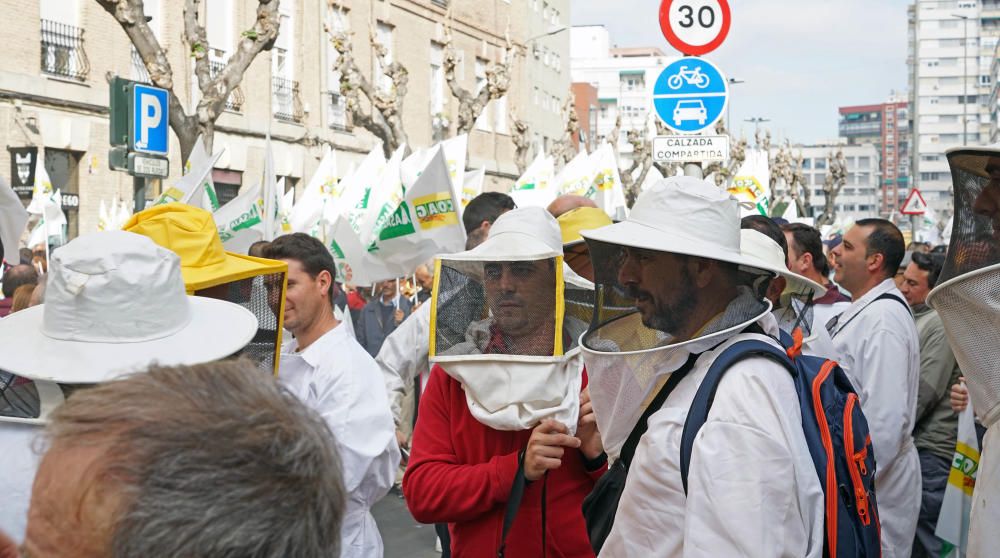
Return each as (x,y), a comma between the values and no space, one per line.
(751,487)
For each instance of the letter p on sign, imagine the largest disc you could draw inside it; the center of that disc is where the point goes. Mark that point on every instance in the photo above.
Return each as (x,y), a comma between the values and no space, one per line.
(149,117)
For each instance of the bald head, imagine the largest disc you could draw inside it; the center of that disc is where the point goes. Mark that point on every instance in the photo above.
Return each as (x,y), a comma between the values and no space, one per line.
(566,202)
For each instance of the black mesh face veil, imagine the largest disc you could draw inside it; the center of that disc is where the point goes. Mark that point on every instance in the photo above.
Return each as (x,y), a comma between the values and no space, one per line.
(512,308)
(967,295)
(263,295)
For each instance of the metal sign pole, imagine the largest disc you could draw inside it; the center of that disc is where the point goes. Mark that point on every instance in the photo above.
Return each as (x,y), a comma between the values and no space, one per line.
(139,184)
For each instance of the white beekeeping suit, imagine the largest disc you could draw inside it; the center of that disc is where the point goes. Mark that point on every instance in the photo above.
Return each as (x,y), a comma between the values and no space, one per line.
(967,297)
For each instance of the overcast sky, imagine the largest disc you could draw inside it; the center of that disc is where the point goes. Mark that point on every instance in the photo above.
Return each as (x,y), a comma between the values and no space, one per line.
(800,59)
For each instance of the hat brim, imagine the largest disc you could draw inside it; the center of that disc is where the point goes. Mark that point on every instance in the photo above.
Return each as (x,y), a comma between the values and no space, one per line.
(217,329)
(637,235)
(971,159)
(50,396)
(234,267)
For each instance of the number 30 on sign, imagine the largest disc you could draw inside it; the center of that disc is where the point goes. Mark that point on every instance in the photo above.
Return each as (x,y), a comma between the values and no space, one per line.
(695,27)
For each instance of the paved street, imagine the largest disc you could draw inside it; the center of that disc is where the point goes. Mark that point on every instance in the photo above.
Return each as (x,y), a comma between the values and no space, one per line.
(402,536)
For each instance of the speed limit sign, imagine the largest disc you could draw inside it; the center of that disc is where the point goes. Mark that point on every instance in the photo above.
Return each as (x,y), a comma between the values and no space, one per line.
(695,27)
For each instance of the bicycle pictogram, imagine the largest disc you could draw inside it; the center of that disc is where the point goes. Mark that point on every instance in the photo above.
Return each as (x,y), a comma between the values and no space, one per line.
(692,77)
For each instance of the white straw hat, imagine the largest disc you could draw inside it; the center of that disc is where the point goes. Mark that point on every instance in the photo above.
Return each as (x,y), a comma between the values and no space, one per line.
(770,257)
(115,303)
(525,233)
(681,215)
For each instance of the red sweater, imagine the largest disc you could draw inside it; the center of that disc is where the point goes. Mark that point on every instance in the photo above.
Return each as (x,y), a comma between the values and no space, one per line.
(460,472)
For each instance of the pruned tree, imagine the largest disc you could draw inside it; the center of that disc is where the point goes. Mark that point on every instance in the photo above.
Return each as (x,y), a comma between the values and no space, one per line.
(384,119)
(522,141)
(642,161)
(613,135)
(564,149)
(798,188)
(471,105)
(724,172)
(215,86)
(836,177)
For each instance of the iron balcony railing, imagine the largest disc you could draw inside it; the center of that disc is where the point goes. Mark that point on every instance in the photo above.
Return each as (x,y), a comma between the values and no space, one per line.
(62,51)
(139,71)
(337,115)
(286,103)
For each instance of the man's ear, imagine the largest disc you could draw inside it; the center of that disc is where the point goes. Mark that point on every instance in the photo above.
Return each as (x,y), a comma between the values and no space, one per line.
(323,281)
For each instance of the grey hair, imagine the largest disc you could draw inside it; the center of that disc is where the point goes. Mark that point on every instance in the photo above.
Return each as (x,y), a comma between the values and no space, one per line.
(211,460)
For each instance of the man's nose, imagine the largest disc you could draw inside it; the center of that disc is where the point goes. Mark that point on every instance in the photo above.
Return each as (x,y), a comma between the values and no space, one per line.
(507,282)
(627,273)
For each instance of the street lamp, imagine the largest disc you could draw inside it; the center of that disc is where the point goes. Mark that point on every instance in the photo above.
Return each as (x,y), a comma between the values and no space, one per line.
(732,81)
(965,77)
(756,120)
(552,31)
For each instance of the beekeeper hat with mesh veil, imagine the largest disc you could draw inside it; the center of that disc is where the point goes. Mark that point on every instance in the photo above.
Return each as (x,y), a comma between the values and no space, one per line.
(498,324)
(796,308)
(967,295)
(625,359)
(257,284)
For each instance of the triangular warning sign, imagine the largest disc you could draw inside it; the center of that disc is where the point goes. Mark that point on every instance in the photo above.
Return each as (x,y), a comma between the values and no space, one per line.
(914,204)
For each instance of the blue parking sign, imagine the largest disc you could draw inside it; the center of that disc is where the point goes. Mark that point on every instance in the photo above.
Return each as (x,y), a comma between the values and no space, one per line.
(150,115)
(690,95)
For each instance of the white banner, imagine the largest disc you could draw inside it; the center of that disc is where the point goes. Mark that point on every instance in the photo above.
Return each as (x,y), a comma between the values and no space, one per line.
(576,177)
(13,218)
(424,225)
(953,521)
(606,189)
(195,187)
(41,193)
(752,183)
(536,186)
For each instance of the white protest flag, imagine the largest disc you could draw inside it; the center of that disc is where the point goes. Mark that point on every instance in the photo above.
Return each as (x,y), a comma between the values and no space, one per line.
(321,189)
(13,218)
(41,192)
(103,218)
(270,194)
(349,252)
(50,225)
(382,200)
(752,183)
(472,187)
(576,177)
(285,211)
(38,236)
(606,189)
(423,225)
(355,191)
(455,151)
(535,187)
(195,187)
(124,213)
(953,521)
(791,213)
(239,222)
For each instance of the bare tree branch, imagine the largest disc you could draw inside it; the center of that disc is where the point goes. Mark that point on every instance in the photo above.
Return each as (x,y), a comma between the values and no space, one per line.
(522,142)
(385,119)
(130,15)
(471,105)
(836,177)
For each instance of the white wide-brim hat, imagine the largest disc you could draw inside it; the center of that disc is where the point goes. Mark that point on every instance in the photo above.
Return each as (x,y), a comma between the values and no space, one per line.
(114,304)
(771,257)
(682,215)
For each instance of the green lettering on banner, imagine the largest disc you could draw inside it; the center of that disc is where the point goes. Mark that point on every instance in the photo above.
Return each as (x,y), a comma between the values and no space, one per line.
(335,248)
(210,191)
(399,224)
(246,220)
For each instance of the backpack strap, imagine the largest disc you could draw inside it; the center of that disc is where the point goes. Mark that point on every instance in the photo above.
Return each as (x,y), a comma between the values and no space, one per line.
(703,399)
(883,296)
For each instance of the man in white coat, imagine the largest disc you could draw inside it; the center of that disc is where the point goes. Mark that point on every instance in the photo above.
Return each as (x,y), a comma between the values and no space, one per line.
(752,488)
(329,371)
(878,347)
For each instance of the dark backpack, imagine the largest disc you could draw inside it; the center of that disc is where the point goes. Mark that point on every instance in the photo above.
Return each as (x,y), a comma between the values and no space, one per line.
(836,432)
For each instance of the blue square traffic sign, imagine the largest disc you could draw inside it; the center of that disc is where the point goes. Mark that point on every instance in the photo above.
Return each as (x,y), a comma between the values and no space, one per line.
(149,130)
(690,95)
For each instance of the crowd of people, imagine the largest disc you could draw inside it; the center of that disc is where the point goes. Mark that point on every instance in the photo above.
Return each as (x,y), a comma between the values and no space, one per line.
(533,395)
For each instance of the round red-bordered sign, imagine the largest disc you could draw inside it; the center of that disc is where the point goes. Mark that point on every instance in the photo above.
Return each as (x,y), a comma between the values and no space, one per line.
(698,18)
